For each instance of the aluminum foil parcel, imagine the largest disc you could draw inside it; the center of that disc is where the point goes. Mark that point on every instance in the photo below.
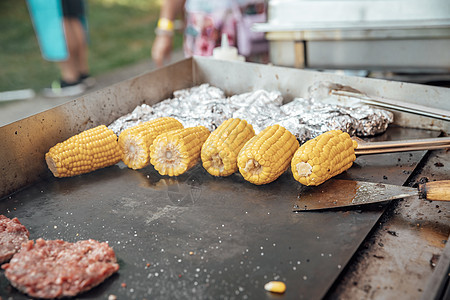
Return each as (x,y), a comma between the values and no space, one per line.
(306,118)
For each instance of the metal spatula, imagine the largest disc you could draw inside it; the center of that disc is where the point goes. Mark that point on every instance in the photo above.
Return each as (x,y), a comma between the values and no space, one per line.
(336,193)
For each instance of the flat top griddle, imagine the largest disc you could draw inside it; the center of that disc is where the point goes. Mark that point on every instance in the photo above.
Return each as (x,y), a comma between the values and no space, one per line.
(200,237)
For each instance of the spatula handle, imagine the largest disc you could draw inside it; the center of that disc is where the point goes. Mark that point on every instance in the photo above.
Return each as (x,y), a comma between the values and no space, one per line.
(435,190)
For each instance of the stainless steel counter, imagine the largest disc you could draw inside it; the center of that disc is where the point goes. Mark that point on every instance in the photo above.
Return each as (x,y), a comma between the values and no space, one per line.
(393,35)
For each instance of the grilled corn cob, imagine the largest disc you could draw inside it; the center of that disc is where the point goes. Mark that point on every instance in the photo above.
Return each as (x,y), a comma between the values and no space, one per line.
(174,152)
(220,151)
(266,156)
(87,151)
(323,157)
(135,142)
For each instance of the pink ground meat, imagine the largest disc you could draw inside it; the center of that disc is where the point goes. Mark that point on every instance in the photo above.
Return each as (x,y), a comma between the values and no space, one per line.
(55,268)
(12,235)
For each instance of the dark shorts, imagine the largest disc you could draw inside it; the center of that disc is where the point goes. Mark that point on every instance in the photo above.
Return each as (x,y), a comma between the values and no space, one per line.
(73,8)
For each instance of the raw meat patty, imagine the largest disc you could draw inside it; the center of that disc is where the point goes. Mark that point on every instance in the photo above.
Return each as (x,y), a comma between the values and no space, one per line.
(55,268)
(12,235)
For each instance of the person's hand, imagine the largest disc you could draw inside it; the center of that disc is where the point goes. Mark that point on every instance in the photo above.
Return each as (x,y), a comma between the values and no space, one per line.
(161,49)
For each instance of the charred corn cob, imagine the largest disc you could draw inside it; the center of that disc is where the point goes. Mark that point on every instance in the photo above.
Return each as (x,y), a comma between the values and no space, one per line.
(220,151)
(323,157)
(135,142)
(87,151)
(174,152)
(266,156)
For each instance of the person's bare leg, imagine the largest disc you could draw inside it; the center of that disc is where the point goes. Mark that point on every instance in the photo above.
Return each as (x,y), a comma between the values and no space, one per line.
(82,47)
(69,68)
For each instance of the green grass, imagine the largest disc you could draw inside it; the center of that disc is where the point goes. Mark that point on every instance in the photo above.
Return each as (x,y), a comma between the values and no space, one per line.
(121,33)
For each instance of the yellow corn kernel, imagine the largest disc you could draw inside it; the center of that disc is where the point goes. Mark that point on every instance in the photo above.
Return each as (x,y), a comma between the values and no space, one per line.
(267,155)
(87,151)
(174,152)
(220,150)
(275,287)
(323,157)
(135,141)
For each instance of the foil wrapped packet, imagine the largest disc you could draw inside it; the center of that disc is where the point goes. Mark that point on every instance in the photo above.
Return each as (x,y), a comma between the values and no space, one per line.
(306,118)
(140,114)
(368,120)
(258,108)
(200,93)
(200,105)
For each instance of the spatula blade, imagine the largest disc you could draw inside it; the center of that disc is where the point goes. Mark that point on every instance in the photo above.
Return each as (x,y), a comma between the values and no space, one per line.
(337,193)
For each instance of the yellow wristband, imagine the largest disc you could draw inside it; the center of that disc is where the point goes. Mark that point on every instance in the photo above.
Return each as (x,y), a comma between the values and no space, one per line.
(165,24)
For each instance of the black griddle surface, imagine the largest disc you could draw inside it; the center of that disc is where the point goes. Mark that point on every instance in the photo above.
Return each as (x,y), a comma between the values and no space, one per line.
(200,237)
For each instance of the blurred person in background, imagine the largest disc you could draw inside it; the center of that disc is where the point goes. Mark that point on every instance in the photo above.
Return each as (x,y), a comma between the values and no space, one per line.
(61,29)
(205,22)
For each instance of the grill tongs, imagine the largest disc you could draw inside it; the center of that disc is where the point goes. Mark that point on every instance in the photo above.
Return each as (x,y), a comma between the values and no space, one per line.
(417,109)
(348,96)
(365,148)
